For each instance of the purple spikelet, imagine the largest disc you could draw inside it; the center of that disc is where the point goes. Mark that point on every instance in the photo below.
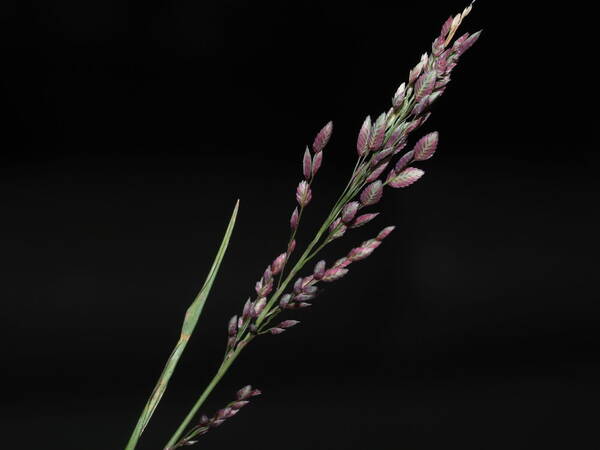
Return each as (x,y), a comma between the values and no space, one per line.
(291,247)
(349,212)
(362,143)
(425,84)
(334,274)
(244,393)
(232,327)
(294,219)
(303,194)
(316,163)
(322,137)
(377,172)
(468,43)
(382,155)
(404,161)
(377,133)
(398,98)
(319,270)
(385,233)
(372,193)
(425,147)
(363,220)
(285,301)
(307,164)
(337,229)
(405,178)
(259,306)
(247,313)
(278,263)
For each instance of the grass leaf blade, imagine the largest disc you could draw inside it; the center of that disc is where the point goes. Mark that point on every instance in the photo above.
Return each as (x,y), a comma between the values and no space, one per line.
(189,324)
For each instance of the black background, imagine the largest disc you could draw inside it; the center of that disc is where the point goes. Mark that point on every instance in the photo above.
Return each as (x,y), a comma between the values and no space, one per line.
(130,128)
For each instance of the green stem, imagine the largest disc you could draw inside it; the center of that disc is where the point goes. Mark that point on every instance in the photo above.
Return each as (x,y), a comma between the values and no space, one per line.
(215,380)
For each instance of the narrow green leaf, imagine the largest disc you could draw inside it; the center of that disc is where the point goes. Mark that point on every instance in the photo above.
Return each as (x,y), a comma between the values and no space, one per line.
(189,324)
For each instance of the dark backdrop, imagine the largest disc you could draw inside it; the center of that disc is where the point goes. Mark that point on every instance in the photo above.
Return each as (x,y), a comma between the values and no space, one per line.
(130,128)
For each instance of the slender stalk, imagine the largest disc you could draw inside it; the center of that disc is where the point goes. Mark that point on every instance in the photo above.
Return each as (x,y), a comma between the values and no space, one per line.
(227,362)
